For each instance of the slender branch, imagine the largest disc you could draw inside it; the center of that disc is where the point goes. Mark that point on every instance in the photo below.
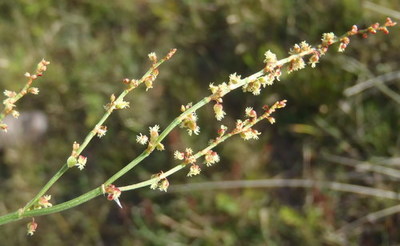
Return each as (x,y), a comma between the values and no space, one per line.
(91,134)
(363,166)
(369,218)
(293,183)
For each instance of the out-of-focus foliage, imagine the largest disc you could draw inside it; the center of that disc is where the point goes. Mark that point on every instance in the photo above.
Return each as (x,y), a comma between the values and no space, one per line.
(94,44)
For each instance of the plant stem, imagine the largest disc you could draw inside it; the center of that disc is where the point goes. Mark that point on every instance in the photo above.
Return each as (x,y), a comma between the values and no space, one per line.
(88,138)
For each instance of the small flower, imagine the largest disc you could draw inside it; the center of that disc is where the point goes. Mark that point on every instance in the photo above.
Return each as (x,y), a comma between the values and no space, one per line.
(270,61)
(343,44)
(163,185)
(211,157)
(234,79)
(249,134)
(42,67)
(296,64)
(314,59)
(154,133)
(142,139)
(389,22)
(219,111)
(101,131)
(179,155)
(33,90)
(28,75)
(253,87)
(213,88)
(43,202)
(148,81)
(15,114)
(113,194)
(190,122)
(304,46)
(121,104)
(153,57)
(328,39)
(8,93)
(271,119)
(194,170)
(160,147)
(81,162)
(354,30)
(31,227)
(222,130)
(189,151)
(250,112)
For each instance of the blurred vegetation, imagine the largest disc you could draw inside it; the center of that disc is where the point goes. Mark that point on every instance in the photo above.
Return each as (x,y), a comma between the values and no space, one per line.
(93,45)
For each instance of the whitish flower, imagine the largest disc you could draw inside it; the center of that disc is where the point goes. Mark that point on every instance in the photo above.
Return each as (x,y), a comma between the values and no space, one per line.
(101,131)
(250,134)
(250,112)
(142,139)
(194,170)
(81,162)
(234,78)
(219,111)
(211,157)
(179,155)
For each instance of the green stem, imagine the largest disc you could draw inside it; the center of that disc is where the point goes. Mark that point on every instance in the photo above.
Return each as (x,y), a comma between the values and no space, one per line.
(57,208)
(88,138)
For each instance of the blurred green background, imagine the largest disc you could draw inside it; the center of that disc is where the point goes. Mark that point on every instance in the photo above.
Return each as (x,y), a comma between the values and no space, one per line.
(93,45)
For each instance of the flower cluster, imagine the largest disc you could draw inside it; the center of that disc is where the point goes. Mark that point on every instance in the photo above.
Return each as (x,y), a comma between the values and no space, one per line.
(12,97)
(160,182)
(116,103)
(75,159)
(190,121)
(186,156)
(154,133)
